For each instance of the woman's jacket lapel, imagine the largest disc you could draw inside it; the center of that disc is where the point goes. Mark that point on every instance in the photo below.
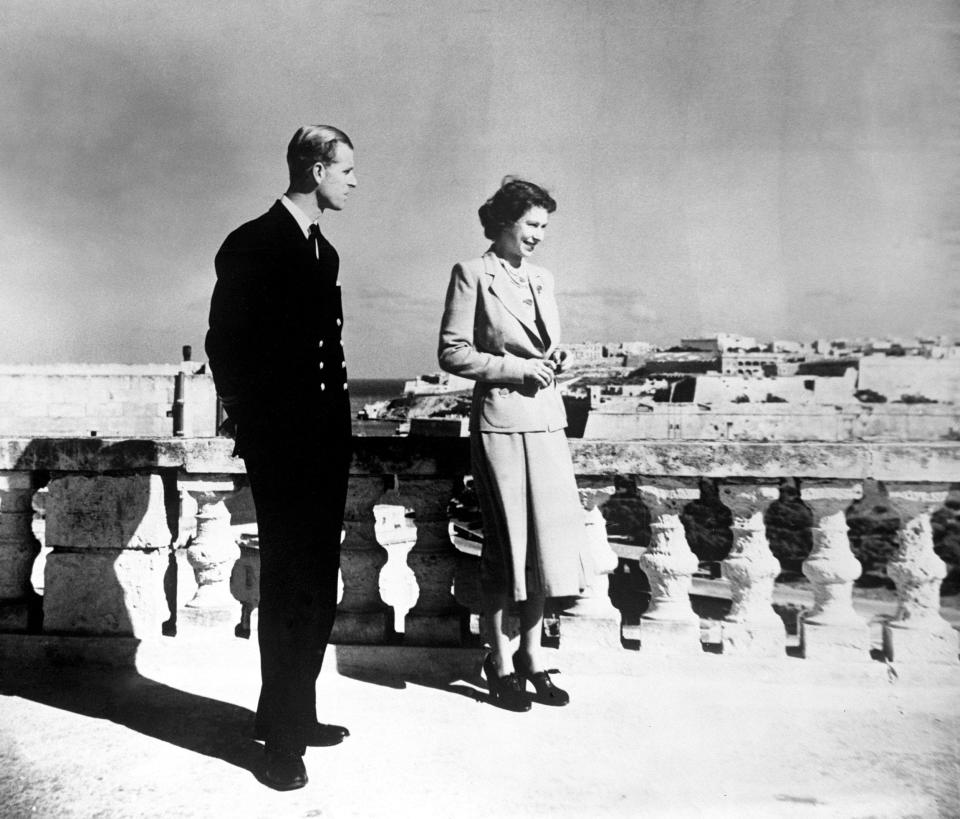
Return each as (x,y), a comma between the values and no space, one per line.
(507,293)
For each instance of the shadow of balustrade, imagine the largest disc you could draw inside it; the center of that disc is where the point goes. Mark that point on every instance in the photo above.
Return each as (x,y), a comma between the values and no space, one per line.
(66,679)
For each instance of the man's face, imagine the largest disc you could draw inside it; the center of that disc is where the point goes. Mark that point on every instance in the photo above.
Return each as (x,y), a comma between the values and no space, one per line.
(336,179)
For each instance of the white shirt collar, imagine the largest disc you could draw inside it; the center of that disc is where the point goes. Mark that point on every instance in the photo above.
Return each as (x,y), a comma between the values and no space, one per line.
(297,214)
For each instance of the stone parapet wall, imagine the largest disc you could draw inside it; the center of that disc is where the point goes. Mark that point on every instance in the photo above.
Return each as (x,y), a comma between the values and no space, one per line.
(422,456)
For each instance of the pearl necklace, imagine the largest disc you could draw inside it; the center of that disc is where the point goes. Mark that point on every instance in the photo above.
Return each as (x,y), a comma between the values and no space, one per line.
(518,278)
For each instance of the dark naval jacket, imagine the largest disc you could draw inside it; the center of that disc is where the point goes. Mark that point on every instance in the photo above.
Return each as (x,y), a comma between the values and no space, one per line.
(274,343)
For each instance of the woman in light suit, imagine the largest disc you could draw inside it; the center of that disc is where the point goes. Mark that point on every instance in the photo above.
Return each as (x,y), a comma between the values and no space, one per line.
(500,327)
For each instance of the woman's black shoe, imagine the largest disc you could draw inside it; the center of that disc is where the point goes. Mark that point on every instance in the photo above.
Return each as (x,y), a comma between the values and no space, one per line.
(547,692)
(506,692)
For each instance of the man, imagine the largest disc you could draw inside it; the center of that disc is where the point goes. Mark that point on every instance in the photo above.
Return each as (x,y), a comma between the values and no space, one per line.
(276,353)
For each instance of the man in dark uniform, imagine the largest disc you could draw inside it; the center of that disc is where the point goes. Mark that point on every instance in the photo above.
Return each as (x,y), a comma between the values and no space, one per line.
(276,354)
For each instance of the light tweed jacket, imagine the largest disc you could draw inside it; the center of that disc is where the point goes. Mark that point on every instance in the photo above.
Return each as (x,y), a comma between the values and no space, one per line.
(484,336)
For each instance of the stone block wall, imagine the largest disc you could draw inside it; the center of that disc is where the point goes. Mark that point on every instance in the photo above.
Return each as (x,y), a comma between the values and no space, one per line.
(110,544)
(106,400)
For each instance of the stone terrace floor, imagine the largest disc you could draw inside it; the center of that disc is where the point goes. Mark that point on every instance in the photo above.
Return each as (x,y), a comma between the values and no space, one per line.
(702,736)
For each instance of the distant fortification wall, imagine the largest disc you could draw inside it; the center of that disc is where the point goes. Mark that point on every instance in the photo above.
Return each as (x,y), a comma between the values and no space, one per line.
(104,399)
(774,422)
(895,376)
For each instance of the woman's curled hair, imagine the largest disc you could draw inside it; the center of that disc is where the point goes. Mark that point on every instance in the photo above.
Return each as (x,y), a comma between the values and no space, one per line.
(507,205)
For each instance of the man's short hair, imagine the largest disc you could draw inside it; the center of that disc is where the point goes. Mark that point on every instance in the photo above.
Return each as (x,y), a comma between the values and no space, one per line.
(312,144)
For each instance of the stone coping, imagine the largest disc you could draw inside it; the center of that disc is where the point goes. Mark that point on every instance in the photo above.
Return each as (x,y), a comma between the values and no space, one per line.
(924,462)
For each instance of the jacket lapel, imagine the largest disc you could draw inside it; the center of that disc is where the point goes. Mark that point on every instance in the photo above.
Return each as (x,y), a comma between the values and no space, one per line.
(291,236)
(547,307)
(507,292)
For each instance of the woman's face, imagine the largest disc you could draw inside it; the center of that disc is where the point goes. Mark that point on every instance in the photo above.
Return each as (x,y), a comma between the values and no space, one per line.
(520,239)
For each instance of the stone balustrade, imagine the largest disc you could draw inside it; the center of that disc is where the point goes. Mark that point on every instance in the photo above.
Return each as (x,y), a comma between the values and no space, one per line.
(147,537)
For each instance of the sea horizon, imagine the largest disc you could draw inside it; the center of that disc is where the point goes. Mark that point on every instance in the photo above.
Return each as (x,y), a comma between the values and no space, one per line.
(366,391)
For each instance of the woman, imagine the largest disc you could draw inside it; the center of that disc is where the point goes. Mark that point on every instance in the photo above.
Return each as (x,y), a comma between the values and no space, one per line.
(500,328)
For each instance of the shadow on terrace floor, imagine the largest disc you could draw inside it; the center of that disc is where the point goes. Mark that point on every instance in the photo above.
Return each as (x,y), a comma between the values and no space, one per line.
(196,723)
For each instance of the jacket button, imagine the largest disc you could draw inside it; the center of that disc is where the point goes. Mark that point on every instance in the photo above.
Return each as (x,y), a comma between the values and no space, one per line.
(344,384)
(341,342)
(322,386)
(343,365)
(321,365)
(339,323)
(320,343)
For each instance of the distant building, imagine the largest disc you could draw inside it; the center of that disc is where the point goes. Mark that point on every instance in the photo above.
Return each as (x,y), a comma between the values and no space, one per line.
(637,348)
(587,352)
(787,346)
(939,347)
(720,342)
(835,348)
(759,364)
(878,347)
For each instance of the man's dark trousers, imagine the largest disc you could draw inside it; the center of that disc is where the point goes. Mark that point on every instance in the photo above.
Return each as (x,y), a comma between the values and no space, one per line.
(299,497)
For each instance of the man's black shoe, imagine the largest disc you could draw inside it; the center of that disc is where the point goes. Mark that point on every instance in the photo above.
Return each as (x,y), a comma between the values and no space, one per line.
(284,770)
(322,735)
(319,736)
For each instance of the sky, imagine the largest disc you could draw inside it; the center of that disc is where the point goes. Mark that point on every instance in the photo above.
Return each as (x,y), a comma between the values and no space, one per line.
(775,168)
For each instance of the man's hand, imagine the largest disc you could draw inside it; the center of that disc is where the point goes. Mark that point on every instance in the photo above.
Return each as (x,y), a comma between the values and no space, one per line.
(538,371)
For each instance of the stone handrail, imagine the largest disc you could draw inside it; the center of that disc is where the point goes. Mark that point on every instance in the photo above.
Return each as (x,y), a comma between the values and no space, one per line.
(145,539)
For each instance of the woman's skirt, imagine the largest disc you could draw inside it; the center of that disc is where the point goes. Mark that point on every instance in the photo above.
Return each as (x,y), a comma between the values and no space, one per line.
(533,523)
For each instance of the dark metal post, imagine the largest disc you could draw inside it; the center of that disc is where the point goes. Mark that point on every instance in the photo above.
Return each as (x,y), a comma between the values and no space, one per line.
(179,388)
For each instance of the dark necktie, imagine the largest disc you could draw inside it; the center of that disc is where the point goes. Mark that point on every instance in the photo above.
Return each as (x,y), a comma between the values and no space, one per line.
(315,239)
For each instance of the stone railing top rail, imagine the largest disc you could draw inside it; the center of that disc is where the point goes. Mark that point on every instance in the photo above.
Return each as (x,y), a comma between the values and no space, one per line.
(935,462)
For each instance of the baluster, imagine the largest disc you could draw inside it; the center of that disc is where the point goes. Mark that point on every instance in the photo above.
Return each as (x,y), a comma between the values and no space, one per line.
(18,550)
(918,633)
(833,630)
(212,551)
(245,583)
(397,534)
(670,623)
(110,553)
(436,618)
(752,626)
(592,619)
(186,531)
(362,616)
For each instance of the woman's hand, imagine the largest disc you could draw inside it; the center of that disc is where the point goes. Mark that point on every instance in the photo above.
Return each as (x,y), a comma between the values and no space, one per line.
(538,371)
(561,360)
